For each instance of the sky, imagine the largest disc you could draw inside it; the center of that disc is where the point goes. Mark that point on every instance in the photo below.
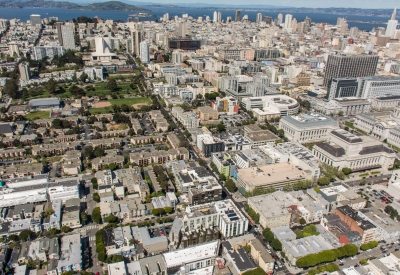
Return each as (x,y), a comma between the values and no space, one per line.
(367,4)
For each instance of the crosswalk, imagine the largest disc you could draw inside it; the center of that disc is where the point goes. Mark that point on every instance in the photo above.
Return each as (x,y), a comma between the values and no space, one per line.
(94,226)
(93,238)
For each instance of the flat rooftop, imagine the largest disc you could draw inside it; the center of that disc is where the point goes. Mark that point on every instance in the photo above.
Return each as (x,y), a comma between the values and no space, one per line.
(274,205)
(272,173)
(191,254)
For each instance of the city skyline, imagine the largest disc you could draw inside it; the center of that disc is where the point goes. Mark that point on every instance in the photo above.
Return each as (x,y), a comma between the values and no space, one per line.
(367,4)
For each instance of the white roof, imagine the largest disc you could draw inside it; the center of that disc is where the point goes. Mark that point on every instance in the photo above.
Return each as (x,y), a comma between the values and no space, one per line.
(191,254)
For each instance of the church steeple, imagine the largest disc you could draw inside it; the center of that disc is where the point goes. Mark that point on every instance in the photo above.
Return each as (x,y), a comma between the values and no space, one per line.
(394,14)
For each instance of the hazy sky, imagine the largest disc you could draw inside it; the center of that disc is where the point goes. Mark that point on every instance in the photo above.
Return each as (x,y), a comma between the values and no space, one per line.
(373,4)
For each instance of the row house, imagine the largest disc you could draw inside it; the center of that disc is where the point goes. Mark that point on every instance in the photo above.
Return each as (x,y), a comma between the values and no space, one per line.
(105,143)
(99,163)
(65,138)
(10,172)
(13,152)
(159,157)
(43,122)
(147,139)
(54,149)
(116,133)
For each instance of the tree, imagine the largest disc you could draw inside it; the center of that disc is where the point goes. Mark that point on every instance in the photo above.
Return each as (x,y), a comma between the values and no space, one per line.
(155,211)
(13,238)
(257,271)
(363,182)
(202,162)
(26,235)
(111,219)
(65,229)
(48,212)
(11,88)
(84,218)
(346,171)
(276,244)
(112,85)
(83,77)
(96,215)
(96,197)
(268,235)
(220,127)
(168,209)
(51,86)
(302,221)
(369,245)
(94,183)
(53,231)
(230,185)
(324,181)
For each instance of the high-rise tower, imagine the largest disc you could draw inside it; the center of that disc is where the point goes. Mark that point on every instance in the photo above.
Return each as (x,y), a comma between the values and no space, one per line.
(392,25)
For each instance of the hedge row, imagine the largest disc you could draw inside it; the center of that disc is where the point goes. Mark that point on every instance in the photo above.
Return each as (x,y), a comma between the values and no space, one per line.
(323,268)
(100,246)
(326,256)
(369,245)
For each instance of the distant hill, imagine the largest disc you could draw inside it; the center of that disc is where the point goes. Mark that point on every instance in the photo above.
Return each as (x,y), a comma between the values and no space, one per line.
(112,6)
(104,6)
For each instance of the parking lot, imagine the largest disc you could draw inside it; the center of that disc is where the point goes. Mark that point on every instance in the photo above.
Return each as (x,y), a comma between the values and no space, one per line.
(235,120)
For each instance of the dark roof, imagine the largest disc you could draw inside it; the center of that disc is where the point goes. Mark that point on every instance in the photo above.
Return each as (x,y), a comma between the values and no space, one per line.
(348,211)
(375,149)
(108,236)
(5,128)
(389,97)
(202,172)
(350,139)
(334,151)
(4,227)
(240,257)
(185,177)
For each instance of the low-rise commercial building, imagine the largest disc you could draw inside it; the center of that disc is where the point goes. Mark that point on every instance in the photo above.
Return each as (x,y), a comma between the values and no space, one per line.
(270,176)
(275,209)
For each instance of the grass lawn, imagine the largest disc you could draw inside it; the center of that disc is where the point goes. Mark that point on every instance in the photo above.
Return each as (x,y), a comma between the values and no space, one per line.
(119,102)
(130,101)
(101,89)
(95,111)
(38,115)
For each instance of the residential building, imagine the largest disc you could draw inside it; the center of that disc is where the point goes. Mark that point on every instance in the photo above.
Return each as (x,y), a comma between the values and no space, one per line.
(68,36)
(208,144)
(40,52)
(154,245)
(207,113)
(223,215)
(192,258)
(24,71)
(144,52)
(71,254)
(366,229)
(261,256)
(386,229)
(224,163)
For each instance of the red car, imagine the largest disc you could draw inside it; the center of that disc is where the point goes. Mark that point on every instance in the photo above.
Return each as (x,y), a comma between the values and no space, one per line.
(97,273)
